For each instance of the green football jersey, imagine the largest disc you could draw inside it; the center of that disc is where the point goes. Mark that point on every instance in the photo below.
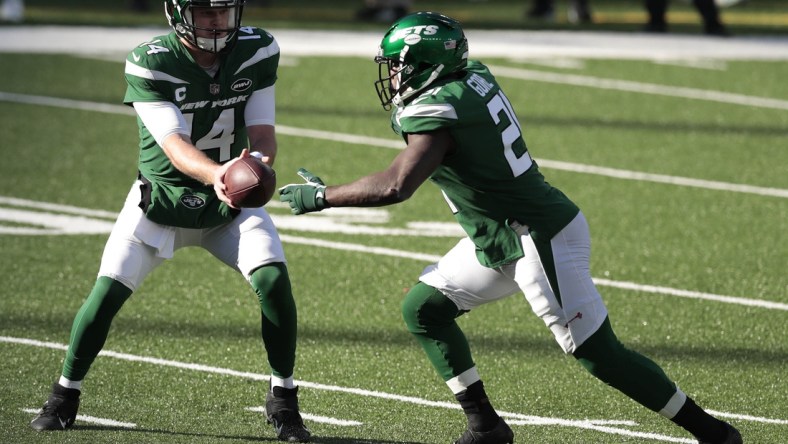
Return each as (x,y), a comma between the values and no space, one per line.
(163,70)
(490,181)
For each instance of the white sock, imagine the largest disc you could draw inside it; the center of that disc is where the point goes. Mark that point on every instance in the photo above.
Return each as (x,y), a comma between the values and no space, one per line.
(70,384)
(287,383)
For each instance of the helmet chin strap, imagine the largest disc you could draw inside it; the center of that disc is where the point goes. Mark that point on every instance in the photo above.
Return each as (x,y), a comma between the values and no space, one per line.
(401,96)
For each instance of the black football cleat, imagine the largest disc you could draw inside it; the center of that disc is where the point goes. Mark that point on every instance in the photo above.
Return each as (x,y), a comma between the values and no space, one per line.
(733,436)
(59,411)
(281,410)
(500,434)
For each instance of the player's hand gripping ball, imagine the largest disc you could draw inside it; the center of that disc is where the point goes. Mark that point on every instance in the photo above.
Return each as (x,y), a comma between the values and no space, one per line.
(250,183)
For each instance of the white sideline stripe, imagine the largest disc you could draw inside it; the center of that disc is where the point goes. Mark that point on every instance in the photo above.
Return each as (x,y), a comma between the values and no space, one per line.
(94,420)
(691,294)
(316,418)
(340,137)
(389,143)
(12,201)
(431,258)
(662,178)
(639,87)
(599,425)
(344,246)
(598,281)
(748,417)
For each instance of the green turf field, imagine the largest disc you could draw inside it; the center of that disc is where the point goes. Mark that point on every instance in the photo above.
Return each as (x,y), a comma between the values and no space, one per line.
(687,201)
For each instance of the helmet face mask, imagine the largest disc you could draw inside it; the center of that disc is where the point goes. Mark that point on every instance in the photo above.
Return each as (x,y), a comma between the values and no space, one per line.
(417,50)
(182,16)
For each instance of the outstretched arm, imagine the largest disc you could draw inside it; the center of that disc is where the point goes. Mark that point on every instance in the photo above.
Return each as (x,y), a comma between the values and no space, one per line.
(401,179)
(398,182)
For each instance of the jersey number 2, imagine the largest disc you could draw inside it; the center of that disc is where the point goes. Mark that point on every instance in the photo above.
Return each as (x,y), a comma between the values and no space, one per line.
(511,136)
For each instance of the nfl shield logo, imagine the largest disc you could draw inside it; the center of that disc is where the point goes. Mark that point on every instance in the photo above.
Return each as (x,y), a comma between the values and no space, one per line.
(214,88)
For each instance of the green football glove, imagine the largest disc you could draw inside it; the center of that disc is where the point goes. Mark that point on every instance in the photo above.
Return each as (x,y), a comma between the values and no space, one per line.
(304,197)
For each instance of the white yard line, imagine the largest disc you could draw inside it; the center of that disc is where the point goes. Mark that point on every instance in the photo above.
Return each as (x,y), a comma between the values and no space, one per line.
(315,418)
(665,291)
(100,226)
(602,425)
(95,420)
(640,87)
(395,144)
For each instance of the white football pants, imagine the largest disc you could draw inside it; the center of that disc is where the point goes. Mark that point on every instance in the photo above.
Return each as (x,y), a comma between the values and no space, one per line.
(581,311)
(137,246)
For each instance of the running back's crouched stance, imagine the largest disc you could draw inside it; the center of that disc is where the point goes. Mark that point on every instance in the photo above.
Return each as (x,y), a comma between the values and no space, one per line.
(203,94)
(522,234)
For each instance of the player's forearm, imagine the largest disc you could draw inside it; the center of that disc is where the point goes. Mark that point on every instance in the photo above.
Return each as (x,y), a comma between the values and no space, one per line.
(188,159)
(371,191)
(262,138)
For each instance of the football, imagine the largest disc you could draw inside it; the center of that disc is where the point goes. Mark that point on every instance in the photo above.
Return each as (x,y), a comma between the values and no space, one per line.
(250,183)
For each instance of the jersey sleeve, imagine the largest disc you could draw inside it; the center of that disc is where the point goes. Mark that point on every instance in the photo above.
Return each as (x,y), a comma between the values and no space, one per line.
(260,56)
(426,117)
(144,74)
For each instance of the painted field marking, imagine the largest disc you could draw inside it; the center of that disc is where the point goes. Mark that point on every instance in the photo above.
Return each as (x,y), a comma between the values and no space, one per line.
(598,281)
(639,87)
(315,418)
(95,420)
(606,426)
(284,222)
(395,144)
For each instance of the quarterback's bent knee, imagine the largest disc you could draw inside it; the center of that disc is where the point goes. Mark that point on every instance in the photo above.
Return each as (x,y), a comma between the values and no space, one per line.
(269,279)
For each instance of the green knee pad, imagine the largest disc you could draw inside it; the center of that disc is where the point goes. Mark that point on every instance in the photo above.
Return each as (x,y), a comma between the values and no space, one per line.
(279,318)
(430,317)
(628,371)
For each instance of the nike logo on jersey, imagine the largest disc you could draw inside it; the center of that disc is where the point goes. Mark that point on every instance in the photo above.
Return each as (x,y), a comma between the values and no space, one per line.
(135,57)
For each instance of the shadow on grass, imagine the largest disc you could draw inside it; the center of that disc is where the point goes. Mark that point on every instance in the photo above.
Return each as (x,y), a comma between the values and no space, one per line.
(535,346)
(157,435)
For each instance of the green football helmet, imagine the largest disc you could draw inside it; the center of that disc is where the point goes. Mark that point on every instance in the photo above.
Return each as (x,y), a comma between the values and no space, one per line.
(180,15)
(417,50)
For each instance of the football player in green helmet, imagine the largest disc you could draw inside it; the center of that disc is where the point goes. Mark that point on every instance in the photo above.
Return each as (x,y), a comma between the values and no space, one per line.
(204,95)
(415,52)
(523,235)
